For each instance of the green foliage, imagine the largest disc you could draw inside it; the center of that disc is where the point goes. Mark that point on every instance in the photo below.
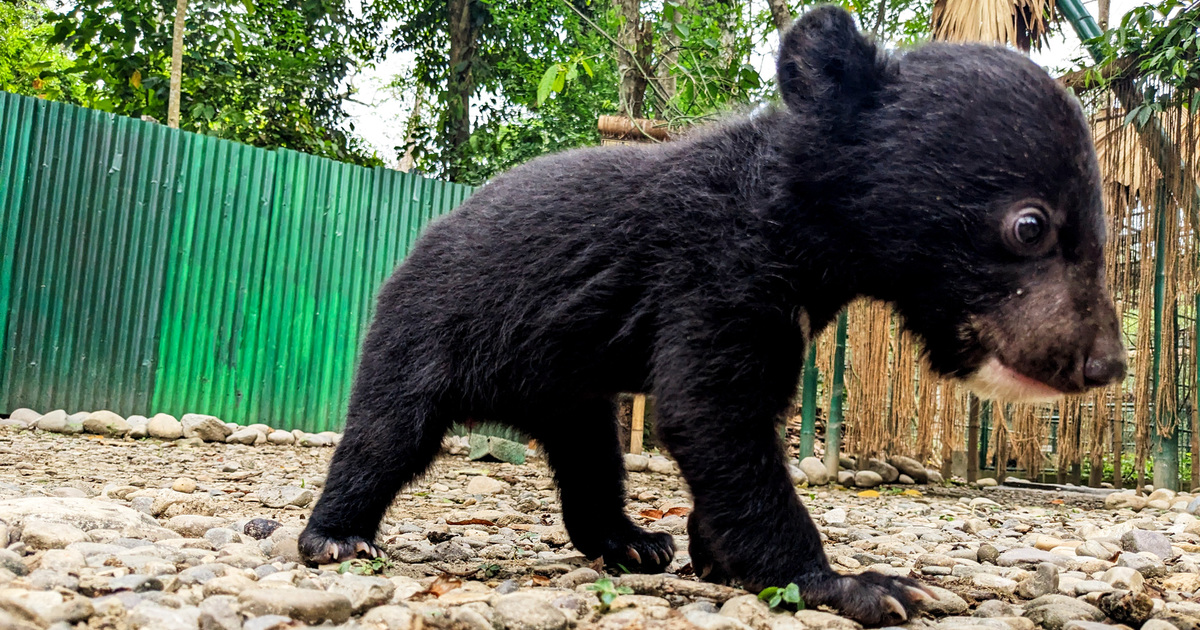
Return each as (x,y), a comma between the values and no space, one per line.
(360,566)
(542,71)
(29,64)
(607,591)
(1162,39)
(776,596)
(905,22)
(1129,469)
(541,75)
(712,72)
(269,73)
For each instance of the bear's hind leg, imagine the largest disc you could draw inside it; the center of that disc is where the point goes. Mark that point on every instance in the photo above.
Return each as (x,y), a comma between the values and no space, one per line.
(749,519)
(384,447)
(580,440)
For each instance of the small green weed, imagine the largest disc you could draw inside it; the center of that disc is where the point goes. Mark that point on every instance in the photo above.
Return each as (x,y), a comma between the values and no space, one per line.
(776,596)
(491,570)
(607,592)
(365,566)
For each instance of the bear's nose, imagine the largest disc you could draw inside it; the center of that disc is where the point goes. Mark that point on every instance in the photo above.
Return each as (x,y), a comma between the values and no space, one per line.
(1104,369)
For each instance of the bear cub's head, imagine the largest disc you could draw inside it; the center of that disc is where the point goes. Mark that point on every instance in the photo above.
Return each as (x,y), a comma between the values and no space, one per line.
(971,201)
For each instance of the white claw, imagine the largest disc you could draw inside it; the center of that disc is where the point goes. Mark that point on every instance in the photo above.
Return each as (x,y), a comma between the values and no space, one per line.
(894,605)
(361,547)
(705,571)
(920,593)
(333,550)
(637,557)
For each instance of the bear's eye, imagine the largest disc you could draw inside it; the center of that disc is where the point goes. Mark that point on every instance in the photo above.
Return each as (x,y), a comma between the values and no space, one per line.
(1028,231)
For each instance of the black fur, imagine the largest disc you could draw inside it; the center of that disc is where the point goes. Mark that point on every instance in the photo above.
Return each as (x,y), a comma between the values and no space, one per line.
(685,270)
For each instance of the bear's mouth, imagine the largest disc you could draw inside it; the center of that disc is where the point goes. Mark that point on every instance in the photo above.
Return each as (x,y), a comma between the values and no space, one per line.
(995,380)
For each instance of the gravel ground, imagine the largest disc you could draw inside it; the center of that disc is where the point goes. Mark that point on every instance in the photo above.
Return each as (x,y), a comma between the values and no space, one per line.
(121,533)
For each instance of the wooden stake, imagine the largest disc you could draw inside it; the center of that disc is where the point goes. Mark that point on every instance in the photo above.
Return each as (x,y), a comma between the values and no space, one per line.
(637,424)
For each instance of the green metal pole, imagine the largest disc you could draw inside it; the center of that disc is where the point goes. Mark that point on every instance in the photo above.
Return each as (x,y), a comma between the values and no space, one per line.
(1195,481)
(1166,447)
(1085,26)
(808,404)
(833,431)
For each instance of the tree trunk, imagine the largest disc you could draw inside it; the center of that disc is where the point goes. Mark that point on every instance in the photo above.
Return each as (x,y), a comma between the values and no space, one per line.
(780,14)
(461,83)
(632,44)
(176,64)
(414,119)
(667,82)
(1103,10)
(880,18)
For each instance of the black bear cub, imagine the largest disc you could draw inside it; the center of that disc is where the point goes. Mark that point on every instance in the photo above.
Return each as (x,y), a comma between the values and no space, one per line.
(957,182)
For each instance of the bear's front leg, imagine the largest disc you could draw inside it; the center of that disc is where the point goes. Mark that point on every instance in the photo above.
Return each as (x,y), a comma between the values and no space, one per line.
(716,417)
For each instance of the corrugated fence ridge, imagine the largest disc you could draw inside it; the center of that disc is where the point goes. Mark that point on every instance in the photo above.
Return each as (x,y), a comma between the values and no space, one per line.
(146,270)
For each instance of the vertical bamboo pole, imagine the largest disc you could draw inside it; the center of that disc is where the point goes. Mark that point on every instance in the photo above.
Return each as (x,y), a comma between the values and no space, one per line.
(833,431)
(985,432)
(972,438)
(637,424)
(1002,416)
(1057,431)
(808,403)
(1118,436)
(1096,452)
(1075,475)
(1165,447)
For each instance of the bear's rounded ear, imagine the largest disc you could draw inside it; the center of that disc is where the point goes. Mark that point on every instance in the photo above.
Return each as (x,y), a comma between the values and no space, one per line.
(826,66)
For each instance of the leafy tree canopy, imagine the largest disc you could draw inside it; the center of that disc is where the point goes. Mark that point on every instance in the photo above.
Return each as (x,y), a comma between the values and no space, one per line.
(1161,42)
(270,73)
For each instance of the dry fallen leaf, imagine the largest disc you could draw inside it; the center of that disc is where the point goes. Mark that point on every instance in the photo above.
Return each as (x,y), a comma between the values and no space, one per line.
(540,580)
(678,511)
(472,521)
(912,493)
(869,494)
(652,514)
(444,584)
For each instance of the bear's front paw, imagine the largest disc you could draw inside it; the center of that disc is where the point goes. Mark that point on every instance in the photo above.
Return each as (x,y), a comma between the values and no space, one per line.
(317,548)
(639,551)
(870,598)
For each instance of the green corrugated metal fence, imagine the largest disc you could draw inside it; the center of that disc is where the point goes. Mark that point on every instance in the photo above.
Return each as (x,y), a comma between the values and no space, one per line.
(147,270)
